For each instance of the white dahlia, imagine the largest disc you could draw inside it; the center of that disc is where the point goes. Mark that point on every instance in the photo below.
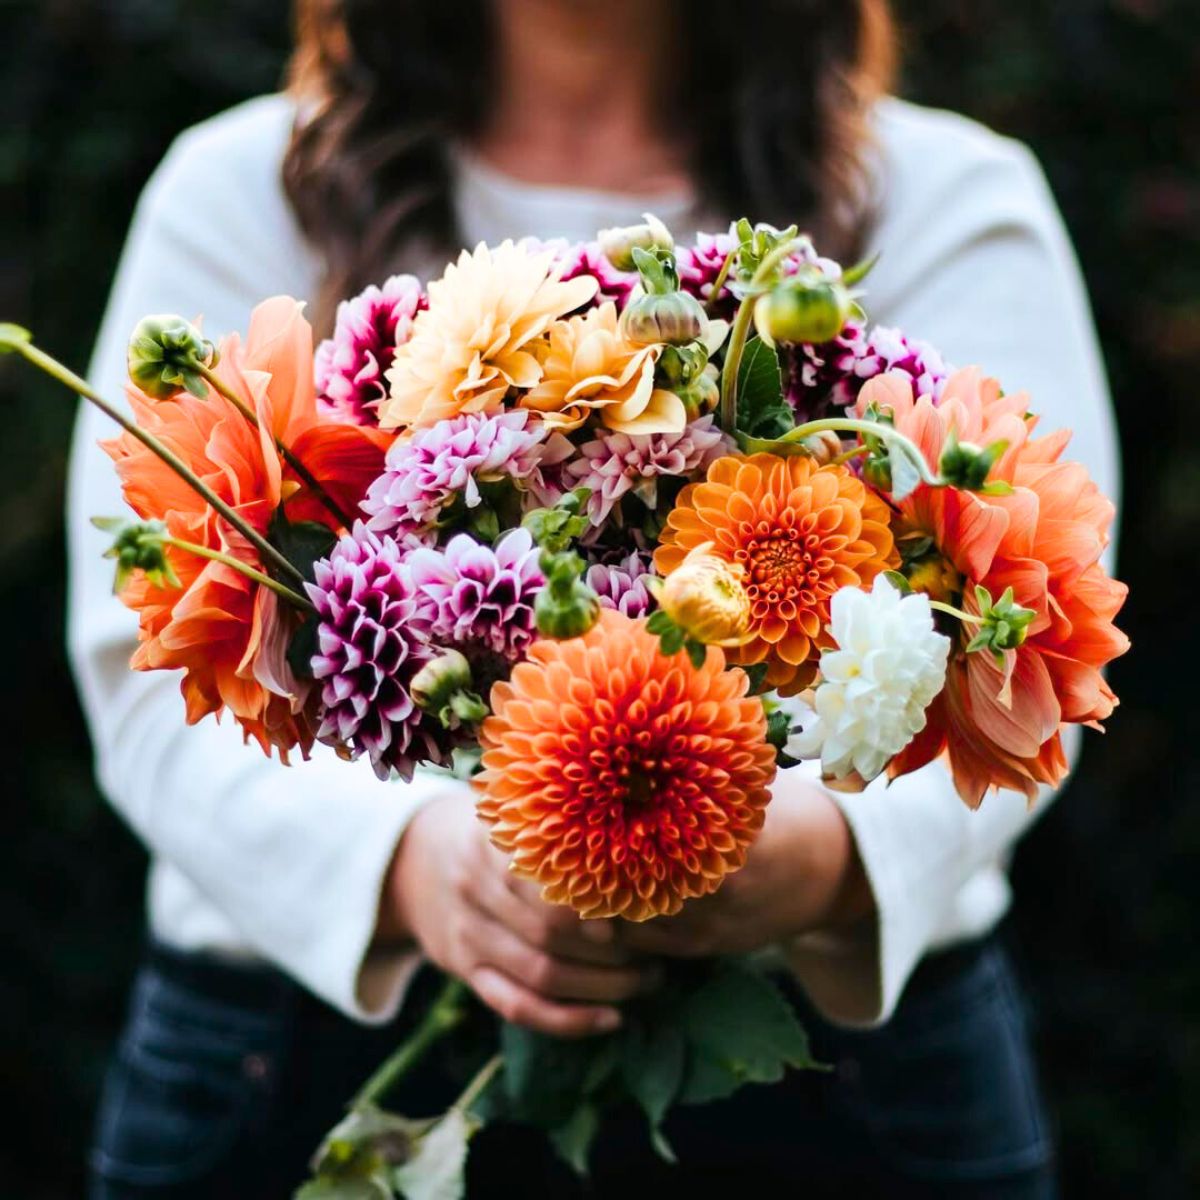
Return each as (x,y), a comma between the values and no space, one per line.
(888,665)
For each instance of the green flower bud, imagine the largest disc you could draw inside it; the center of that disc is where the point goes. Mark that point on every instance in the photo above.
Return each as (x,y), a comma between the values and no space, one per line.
(554,529)
(618,244)
(702,395)
(803,308)
(673,317)
(965,465)
(164,355)
(679,366)
(877,471)
(566,607)
(1004,623)
(442,687)
(138,546)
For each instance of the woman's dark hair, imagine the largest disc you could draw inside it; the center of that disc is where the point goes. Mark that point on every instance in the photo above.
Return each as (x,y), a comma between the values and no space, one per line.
(777,105)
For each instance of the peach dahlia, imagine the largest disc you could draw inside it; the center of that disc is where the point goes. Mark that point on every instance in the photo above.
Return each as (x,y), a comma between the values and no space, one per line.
(623,781)
(799,532)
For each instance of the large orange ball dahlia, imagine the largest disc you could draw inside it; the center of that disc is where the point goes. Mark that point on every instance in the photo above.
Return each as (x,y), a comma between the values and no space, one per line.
(623,781)
(799,532)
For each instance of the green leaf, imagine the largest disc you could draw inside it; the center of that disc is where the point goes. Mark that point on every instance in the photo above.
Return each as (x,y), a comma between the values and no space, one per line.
(740,1021)
(301,542)
(303,646)
(761,410)
(697,652)
(707,1078)
(438,1169)
(652,1065)
(899,582)
(374,1188)
(906,478)
(573,1138)
(544,1077)
(757,674)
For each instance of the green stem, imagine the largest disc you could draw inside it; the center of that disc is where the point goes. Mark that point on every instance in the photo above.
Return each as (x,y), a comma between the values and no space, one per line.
(849,454)
(885,433)
(966,617)
(475,1088)
(719,282)
(218,385)
(67,377)
(446,1012)
(741,329)
(280,589)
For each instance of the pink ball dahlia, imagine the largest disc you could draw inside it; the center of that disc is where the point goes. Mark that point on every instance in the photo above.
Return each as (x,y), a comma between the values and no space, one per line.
(350,366)
(621,585)
(373,636)
(481,597)
(425,473)
(585,258)
(616,463)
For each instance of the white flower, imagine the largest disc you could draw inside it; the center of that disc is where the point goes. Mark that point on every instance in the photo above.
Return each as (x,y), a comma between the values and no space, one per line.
(875,686)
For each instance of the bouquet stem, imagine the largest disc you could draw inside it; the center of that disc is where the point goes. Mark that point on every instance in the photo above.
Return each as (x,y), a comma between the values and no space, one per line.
(446,1013)
(64,375)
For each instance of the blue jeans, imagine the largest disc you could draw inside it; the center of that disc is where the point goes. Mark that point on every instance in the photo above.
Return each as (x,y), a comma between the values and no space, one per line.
(225,1079)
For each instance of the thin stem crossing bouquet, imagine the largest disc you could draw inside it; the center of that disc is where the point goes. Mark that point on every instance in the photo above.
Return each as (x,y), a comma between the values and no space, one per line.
(616,530)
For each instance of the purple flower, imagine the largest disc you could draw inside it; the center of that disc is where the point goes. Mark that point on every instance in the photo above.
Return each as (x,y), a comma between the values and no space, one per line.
(699,266)
(350,366)
(451,458)
(616,463)
(373,635)
(831,375)
(482,596)
(585,258)
(621,585)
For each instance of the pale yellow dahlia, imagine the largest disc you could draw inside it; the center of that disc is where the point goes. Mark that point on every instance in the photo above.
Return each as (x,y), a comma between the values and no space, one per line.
(590,366)
(473,342)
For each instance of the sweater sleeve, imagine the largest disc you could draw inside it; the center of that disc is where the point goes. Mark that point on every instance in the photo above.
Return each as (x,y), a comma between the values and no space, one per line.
(978,264)
(293,857)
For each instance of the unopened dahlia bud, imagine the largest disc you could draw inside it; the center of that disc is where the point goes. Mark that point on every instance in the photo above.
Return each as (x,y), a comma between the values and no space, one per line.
(138,546)
(673,317)
(1004,624)
(824,446)
(965,465)
(702,395)
(804,308)
(566,607)
(164,355)
(617,244)
(679,366)
(704,596)
(442,687)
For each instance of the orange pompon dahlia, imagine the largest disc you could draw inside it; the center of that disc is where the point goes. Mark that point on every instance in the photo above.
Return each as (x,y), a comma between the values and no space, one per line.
(623,781)
(226,633)
(798,531)
(478,336)
(1000,727)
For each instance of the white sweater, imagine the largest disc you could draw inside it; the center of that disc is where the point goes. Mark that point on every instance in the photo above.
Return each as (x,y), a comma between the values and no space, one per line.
(254,859)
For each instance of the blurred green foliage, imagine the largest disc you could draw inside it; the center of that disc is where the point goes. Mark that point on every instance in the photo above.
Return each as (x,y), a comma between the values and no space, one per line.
(1104,91)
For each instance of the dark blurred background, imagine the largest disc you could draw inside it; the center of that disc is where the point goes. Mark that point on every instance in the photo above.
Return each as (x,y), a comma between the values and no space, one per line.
(1108,885)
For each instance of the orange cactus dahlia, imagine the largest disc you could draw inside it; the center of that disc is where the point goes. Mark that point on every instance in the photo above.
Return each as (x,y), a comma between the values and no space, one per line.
(623,781)
(799,532)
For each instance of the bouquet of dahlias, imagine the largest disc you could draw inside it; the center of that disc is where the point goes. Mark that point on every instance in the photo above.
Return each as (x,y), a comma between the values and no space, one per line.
(616,530)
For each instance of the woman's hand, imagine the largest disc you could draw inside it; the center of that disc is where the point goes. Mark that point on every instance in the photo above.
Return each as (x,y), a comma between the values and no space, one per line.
(534,963)
(802,873)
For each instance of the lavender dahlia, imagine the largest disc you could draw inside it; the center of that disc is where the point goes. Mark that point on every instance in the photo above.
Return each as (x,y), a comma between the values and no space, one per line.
(614,464)
(350,367)
(481,597)
(373,636)
(621,585)
(425,473)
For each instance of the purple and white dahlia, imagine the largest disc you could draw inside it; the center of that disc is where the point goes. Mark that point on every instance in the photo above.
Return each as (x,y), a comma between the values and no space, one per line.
(350,367)
(425,473)
(482,597)
(616,463)
(621,584)
(373,636)
(700,265)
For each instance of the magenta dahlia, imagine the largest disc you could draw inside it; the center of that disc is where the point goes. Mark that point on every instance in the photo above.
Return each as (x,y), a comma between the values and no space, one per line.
(373,635)
(350,367)
(700,264)
(616,463)
(452,458)
(481,596)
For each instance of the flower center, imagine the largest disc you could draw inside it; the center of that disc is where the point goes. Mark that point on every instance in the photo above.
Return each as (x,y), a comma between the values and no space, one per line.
(782,565)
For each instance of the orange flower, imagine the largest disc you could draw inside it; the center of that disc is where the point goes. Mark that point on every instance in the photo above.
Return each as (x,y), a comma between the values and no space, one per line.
(224,631)
(799,532)
(1000,727)
(622,781)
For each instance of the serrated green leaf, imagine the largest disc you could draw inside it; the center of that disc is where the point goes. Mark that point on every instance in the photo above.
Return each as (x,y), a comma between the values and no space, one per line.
(573,1138)
(543,1076)
(706,1078)
(761,410)
(438,1169)
(652,1064)
(743,1022)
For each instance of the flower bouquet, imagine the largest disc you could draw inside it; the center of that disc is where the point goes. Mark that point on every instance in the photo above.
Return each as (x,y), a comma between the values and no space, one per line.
(617,531)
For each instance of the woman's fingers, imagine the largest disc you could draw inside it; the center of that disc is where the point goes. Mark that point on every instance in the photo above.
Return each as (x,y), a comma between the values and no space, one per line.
(521,1006)
(550,975)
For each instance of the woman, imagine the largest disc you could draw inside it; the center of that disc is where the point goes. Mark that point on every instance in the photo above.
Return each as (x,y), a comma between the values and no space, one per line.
(290,912)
